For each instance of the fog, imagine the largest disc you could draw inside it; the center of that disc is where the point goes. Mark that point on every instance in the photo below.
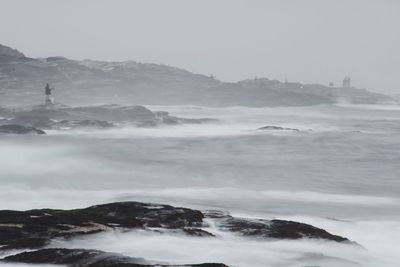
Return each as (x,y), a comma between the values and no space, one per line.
(308,41)
(301,151)
(339,172)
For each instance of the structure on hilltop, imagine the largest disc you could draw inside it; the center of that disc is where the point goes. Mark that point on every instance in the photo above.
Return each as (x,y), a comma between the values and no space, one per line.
(346,82)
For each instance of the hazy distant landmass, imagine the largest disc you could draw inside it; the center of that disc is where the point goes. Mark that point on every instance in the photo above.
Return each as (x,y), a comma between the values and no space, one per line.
(98,82)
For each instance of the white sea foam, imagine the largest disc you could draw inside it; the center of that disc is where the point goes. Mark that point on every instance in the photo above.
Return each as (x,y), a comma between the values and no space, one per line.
(230,249)
(393,107)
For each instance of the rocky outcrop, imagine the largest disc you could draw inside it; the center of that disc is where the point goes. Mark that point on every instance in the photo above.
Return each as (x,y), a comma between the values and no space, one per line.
(276,229)
(19,129)
(89,258)
(104,116)
(35,229)
(269,229)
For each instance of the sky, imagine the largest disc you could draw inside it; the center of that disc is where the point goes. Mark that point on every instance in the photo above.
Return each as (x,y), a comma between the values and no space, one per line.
(308,41)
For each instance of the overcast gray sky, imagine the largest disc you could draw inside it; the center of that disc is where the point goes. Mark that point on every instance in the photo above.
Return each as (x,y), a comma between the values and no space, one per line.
(311,41)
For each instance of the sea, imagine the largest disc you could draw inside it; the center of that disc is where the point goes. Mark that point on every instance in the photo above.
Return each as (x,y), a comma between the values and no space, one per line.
(339,170)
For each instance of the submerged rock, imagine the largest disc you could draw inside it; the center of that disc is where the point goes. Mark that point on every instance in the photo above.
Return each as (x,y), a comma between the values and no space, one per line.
(19,129)
(271,127)
(89,258)
(165,118)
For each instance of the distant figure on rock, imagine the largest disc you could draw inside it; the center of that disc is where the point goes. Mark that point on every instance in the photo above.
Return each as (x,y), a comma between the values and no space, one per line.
(47,91)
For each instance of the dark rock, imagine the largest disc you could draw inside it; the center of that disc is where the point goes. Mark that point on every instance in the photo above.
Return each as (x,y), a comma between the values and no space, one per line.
(36,228)
(88,258)
(19,129)
(216,214)
(278,229)
(296,230)
(19,229)
(270,127)
(197,232)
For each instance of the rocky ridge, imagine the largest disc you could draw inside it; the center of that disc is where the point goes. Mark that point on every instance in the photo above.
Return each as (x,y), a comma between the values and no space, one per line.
(61,117)
(35,229)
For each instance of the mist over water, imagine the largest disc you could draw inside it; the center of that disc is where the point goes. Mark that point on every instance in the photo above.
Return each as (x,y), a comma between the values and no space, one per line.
(339,172)
(237,251)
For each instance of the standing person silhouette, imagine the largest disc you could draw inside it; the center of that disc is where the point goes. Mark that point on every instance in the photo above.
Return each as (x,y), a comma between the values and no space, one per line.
(47,91)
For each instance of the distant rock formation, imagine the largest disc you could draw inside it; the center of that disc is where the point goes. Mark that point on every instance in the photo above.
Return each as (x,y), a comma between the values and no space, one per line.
(101,117)
(91,82)
(19,129)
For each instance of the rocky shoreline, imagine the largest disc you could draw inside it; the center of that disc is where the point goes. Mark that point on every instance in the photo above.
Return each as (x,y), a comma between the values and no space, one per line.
(39,118)
(36,229)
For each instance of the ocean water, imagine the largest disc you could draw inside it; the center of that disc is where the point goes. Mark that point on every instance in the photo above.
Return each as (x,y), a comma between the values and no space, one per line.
(340,172)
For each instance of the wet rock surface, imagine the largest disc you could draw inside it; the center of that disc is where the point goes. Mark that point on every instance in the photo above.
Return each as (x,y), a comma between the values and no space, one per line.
(89,258)
(279,229)
(35,229)
(261,228)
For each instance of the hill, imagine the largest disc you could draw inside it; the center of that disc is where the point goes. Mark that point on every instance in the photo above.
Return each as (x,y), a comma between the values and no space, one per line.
(22,80)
